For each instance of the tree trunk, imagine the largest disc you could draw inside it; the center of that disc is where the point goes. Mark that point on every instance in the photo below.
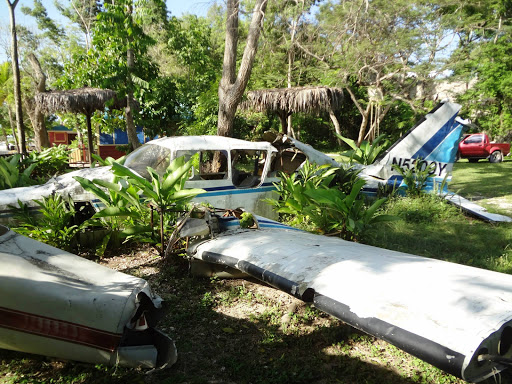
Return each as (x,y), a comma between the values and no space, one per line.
(37,117)
(283,118)
(22,148)
(364,125)
(232,86)
(90,146)
(364,113)
(13,128)
(131,130)
(336,124)
(291,60)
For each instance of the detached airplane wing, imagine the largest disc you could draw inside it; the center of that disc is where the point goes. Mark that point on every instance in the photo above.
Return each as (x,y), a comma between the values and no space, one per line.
(57,304)
(455,317)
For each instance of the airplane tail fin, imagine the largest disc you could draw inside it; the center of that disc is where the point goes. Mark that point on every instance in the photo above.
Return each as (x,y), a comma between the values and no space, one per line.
(433,141)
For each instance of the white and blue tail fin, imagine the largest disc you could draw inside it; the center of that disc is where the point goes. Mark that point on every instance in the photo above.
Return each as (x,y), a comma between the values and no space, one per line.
(433,141)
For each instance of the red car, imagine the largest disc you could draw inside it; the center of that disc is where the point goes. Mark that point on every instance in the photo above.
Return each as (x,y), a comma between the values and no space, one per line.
(477,146)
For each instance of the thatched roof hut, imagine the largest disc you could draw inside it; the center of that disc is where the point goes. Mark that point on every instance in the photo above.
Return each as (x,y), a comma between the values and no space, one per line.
(291,100)
(82,100)
(285,101)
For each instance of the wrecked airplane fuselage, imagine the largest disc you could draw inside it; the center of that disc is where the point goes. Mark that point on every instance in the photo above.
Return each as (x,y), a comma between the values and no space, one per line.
(57,304)
(245,178)
(248,170)
(455,317)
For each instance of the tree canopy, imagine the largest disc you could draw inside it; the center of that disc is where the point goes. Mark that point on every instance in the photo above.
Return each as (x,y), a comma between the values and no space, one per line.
(388,59)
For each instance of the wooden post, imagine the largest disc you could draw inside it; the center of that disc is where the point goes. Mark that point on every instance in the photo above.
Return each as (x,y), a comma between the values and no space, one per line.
(90,147)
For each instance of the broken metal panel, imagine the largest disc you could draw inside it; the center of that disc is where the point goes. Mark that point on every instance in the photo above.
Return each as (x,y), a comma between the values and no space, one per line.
(57,304)
(444,313)
(313,155)
(475,209)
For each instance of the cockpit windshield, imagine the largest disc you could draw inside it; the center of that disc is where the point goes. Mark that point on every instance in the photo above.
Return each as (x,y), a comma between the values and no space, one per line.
(149,155)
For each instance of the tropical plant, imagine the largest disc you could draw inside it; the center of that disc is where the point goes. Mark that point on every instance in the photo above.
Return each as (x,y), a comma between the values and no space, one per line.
(367,152)
(415,178)
(52,224)
(291,189)
(123,215)
(10,174)
(336,213)
(326,200)
(99,161)
(48,163)
(163,192)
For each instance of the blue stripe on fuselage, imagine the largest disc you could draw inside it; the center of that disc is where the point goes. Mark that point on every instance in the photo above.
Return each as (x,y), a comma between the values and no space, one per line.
(232,190)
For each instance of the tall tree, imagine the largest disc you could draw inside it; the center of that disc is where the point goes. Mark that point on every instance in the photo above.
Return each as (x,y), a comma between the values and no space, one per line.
(195,64)
(50,29)
(482,60)
(22,148)
(280,62)
(232,84)
(374,46)
(36,115)
(83,13)
(118,32)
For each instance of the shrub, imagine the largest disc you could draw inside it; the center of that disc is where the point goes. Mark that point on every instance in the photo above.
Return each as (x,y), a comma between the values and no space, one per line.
(47,163)
(311,199)
(127,213)
(10,174)
(366,153)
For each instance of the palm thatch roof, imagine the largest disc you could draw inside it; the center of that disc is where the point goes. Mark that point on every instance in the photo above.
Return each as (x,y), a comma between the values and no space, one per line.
(82,100)
(291,100)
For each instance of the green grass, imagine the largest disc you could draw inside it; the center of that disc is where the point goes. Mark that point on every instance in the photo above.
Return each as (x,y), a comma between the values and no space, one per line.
(430,227)
(488,184)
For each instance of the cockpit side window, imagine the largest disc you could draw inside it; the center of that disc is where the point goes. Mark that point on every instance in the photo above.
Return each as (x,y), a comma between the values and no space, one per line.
(247,167)
(288,161)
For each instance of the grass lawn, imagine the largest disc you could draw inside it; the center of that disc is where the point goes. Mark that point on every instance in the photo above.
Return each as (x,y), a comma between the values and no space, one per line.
(435,229)
(489,184)
(240,331)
